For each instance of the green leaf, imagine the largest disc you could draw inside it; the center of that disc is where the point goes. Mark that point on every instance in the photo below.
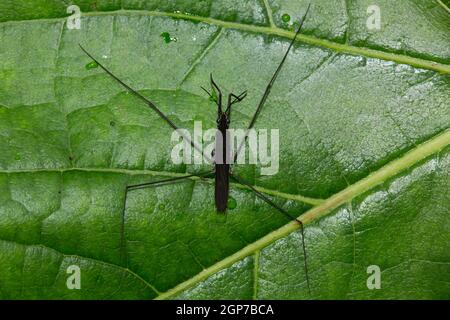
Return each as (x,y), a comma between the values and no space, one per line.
(364,158)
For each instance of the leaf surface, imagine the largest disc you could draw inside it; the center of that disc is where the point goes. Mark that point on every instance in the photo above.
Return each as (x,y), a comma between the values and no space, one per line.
(363,118)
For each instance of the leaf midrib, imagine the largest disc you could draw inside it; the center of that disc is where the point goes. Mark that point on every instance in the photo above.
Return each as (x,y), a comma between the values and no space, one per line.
(272,30)
(419,153)
(443,5)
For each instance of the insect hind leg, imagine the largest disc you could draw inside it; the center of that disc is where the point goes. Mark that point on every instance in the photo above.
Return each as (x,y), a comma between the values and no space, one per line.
(128,188)
(285,213)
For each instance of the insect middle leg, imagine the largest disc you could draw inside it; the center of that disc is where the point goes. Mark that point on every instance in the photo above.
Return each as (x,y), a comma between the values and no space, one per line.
(143,186)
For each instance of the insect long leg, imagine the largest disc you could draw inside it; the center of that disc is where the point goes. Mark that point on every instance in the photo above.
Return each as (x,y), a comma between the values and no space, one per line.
(148,185)
(236,98)
(269,86)
(284,212)
(150,103)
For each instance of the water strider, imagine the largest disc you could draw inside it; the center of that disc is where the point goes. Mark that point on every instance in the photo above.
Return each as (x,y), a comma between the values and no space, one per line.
(222,167)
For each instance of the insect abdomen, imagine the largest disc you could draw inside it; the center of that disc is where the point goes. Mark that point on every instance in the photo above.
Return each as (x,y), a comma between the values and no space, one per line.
(222,167)
(222,186)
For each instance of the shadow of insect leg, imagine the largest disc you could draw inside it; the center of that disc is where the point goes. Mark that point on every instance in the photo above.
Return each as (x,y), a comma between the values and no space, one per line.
(143,186)
(281,210)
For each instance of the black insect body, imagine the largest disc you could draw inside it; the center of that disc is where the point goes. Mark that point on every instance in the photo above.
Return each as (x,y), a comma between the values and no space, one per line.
(222,147)
(222,154)
(222,168)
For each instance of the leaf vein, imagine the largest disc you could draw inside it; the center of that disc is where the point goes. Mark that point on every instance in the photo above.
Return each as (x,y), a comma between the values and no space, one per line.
(338,47)
(112,265)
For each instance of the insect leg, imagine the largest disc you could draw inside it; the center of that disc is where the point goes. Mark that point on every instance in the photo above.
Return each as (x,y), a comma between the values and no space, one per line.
(284,212)
(142,186)
(271,82)
(236,99)
(126,86)
(150,103)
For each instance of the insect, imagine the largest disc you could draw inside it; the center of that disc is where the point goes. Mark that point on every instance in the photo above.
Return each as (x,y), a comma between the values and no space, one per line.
(222,168)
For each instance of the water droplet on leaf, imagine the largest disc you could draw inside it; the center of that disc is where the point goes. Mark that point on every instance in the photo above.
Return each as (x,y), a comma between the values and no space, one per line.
(286,18)
(92,65)
(167,38)
(17,157)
